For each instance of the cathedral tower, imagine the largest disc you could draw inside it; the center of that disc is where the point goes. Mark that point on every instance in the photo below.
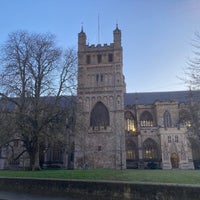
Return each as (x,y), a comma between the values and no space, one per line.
(100,138)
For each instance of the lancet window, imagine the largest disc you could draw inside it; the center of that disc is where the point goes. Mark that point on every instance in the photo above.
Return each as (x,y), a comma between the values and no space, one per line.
(150,149)
(146,119)
(99,118)
(130,124)
(167,119)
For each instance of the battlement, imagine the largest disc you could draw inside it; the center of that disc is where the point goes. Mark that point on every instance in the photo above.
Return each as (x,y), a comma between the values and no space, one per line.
(100,47)
(82,46)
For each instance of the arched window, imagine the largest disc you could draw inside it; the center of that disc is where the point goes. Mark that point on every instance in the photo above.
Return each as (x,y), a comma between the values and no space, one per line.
(131,150)
(184,118)
(167,119)
(99,118)
(150,149)
(146,119)
(55,153)
(129,122)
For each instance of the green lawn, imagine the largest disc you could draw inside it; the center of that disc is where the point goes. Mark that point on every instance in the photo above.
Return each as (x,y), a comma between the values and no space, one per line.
(159,176)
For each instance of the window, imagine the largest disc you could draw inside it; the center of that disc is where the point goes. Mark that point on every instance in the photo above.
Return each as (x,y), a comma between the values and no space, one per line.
(176,138)
(184,118)
(169,139)
(101,77)
(99,58)
(167,119)
(88,59)
(131,150)
(99,118)
(150,149)
(146,119)
(99,148)
(129,122)
(110,57)
(57,154)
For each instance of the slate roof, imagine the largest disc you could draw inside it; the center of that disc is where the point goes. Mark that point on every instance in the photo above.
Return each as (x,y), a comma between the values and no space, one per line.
(145,98)
(64,101)
(151,97)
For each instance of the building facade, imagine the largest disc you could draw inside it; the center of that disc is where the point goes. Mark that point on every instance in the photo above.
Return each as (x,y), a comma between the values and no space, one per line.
(158,131)
(121,130)
(118,130)
(101,88)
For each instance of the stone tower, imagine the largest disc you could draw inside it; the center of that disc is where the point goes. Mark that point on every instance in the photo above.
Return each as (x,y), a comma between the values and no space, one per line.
(100,137)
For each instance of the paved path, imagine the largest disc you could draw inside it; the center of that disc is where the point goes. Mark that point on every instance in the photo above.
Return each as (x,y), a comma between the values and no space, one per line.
(19,196)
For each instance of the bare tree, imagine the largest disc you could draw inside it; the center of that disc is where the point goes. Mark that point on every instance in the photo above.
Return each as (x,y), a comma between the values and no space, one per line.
(193,66)
(36,75)
(192,80)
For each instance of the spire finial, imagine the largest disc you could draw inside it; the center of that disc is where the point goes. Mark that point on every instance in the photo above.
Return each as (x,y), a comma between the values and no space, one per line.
(116,24)
(81,26)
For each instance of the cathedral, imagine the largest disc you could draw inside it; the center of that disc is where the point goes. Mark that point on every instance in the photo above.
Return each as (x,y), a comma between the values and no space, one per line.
(125,130)
(119,130)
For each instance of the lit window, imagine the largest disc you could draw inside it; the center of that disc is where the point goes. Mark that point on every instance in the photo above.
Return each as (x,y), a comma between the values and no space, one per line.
(130,155)
(184,118)
(188,124)
(146,119)
(129,122)
(131,150)
(150,149)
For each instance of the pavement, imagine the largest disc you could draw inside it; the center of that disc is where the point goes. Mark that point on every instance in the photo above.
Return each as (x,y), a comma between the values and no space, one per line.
(4,195)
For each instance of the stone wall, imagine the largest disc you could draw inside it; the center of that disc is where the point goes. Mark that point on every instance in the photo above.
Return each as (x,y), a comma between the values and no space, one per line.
(96,190)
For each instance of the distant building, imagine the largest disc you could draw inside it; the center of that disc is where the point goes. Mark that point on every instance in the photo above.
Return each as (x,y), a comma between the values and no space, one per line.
(120,130)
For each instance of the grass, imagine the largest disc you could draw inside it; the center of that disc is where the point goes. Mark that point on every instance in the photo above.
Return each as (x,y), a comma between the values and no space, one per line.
(156,176)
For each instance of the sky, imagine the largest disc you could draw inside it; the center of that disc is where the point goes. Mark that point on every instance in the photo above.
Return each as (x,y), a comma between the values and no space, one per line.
(156,34)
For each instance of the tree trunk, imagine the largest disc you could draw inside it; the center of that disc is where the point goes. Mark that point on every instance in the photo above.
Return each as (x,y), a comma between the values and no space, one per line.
(35,159)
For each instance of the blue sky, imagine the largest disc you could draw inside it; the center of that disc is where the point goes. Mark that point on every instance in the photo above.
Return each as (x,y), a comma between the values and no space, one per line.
(156,34)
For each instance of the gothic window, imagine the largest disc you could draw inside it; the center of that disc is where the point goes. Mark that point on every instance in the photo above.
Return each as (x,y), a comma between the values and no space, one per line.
(131,150)
(88,59)
(99,58)
(150,149)
(99,148)
(129,122)
(167,119)
(169,139)
(146,119)
(176,138)
(118,78)
(110,57)
(55,153)
(184,118)
(101,77)
(99,118)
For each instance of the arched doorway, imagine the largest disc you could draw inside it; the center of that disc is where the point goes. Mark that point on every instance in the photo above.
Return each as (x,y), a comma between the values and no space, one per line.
(174,160)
